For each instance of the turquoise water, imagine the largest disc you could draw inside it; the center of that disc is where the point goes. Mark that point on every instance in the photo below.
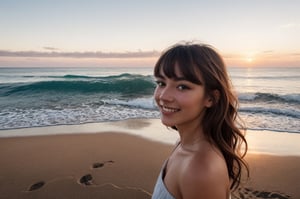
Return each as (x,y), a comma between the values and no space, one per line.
(30,97)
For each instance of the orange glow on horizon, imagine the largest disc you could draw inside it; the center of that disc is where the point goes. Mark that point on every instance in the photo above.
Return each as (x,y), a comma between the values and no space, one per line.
(231,60)
(264,59)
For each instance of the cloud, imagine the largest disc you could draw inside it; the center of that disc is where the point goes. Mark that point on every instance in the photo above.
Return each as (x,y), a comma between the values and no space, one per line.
(50,48)
(277,54)
(295,54)
(268,52)
(290,25)
(97,54)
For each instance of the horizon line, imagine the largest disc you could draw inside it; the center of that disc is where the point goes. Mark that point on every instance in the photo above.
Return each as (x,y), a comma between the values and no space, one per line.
(85,54)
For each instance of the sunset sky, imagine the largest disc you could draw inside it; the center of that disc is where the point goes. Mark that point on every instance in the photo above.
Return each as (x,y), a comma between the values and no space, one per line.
(133,33)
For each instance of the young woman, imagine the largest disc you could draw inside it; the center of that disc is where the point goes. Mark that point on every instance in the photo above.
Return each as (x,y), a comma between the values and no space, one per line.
(195,97)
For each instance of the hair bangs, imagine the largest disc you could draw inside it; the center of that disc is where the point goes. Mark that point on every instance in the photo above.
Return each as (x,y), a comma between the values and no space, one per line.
(178,60)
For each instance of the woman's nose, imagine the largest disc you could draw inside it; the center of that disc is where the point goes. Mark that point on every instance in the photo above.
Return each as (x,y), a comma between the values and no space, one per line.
(166,94)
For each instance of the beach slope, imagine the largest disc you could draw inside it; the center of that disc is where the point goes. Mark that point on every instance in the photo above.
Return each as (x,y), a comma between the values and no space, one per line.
(116,165)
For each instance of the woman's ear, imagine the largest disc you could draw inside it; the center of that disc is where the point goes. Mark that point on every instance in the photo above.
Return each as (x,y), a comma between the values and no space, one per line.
(213,98)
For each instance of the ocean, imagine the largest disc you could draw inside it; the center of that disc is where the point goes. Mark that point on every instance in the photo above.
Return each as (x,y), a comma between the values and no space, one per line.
(35,97)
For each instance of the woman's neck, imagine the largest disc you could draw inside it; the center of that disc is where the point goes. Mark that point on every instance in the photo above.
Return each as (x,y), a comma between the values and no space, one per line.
(191,136)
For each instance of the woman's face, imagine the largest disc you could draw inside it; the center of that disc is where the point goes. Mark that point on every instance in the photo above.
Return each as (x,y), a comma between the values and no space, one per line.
(180,101)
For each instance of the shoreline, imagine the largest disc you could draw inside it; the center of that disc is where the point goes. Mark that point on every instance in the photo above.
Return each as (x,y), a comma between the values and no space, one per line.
(116,165)
(259,142)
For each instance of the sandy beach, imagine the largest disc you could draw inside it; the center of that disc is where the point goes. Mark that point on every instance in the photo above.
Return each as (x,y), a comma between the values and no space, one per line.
(119,163)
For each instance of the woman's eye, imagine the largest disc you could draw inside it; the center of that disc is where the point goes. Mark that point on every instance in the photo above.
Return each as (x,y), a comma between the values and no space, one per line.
(183,87)
(160,83)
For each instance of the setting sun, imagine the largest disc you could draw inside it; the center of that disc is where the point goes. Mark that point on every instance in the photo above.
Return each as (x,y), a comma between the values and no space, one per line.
(249,59)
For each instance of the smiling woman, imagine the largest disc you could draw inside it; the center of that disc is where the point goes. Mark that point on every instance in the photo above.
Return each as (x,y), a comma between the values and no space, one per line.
(194,97)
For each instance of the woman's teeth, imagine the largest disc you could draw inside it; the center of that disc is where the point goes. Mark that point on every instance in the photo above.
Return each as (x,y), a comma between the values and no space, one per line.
(168,109)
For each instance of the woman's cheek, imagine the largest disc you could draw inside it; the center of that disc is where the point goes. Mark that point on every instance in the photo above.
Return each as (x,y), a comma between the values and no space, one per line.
(156,95)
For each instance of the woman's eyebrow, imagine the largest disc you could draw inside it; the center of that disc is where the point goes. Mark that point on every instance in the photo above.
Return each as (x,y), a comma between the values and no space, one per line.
(177,79)
(160,76)
(180,79)
(174,78)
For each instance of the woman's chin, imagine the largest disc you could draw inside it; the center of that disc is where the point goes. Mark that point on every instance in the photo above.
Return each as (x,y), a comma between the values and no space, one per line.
(167,123)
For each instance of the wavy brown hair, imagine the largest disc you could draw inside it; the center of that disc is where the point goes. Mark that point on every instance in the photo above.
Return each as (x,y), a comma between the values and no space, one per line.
(221,123)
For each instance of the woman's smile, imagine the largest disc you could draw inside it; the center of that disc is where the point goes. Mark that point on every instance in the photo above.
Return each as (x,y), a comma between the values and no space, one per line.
(168,110)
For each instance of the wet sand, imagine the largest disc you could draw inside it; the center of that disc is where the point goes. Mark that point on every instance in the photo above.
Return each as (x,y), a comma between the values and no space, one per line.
(114,164)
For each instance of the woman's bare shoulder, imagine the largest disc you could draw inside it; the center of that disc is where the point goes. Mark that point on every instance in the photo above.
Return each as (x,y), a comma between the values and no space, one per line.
(205,175)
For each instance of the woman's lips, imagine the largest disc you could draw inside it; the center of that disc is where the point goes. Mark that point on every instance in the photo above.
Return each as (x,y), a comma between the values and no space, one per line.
(166,109)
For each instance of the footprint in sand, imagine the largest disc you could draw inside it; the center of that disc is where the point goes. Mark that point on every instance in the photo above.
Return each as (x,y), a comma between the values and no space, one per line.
(98,165)
(87,179)
(101,164)
(84,180)
(248,193)
(36,186)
